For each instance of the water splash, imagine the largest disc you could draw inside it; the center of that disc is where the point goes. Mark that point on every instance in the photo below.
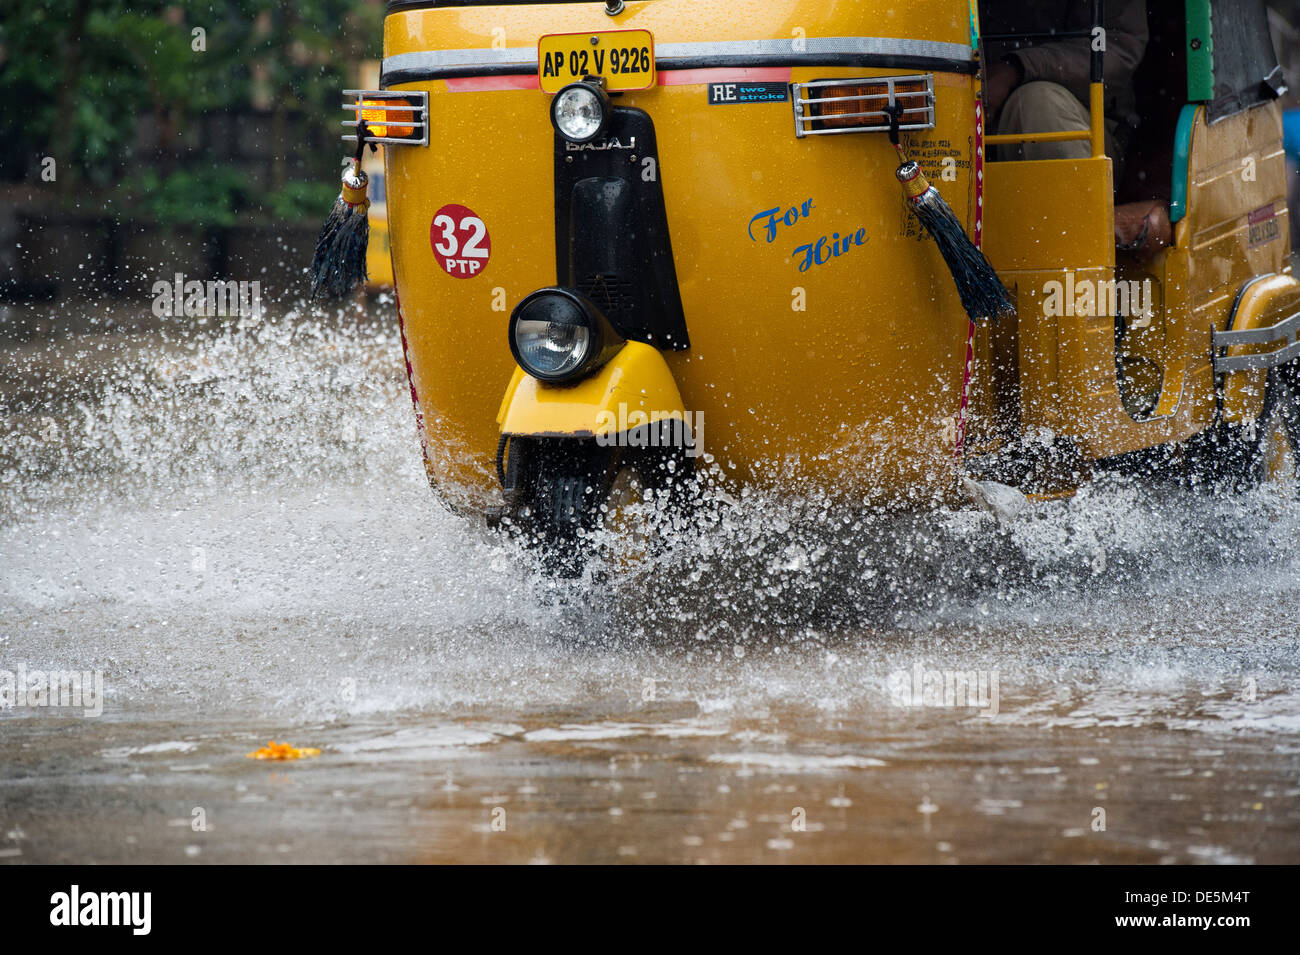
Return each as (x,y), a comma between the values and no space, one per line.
(240,519)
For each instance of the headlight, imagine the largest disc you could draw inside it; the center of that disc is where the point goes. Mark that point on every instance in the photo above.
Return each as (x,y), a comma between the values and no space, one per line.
(580,112)
(558,335)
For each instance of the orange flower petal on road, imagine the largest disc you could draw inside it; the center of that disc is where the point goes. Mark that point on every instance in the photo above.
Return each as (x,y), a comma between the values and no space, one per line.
(274,750)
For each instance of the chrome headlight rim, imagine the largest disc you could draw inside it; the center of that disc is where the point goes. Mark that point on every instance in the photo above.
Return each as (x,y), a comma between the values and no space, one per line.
(602,102)
(602,340)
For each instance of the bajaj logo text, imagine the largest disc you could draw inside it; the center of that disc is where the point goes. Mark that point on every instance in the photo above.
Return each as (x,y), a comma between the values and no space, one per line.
(611,143)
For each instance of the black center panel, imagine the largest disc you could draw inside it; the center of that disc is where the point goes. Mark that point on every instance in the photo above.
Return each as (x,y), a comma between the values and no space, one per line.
(611,230)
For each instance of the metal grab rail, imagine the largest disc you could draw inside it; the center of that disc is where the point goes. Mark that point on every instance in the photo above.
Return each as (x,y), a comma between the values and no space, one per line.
(1058,136)
(1285,333)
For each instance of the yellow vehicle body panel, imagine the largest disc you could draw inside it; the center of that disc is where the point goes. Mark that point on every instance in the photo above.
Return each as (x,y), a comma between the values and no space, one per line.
(1066,363)
(1024,231)
(1263,303)
(846,375)
(1049,252)
(1236,178)
(1047,248)
(635,385)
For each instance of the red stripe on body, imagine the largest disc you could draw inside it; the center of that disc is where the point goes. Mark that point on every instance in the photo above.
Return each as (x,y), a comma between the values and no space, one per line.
(959,448)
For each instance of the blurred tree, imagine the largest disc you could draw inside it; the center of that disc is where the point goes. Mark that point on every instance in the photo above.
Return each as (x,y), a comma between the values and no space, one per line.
(119,91)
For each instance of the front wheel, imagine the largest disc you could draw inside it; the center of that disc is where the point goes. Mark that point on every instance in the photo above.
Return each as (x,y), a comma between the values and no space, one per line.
(557,488)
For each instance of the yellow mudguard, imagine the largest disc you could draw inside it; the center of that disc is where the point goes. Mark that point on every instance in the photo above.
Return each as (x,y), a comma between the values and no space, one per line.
(1262,303)
(634,388)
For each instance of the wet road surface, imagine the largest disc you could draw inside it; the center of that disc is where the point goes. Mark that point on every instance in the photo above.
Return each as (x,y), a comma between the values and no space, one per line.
(234,532)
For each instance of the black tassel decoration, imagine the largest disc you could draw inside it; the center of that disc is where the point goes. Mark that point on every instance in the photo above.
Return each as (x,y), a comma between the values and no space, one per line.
(983,295)
(339,265)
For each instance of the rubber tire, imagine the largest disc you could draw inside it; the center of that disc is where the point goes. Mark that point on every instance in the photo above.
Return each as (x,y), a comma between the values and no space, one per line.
(1275,453)
(566,483)
(1243,457)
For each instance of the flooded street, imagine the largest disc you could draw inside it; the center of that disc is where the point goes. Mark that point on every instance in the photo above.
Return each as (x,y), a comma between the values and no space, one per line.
(236,531)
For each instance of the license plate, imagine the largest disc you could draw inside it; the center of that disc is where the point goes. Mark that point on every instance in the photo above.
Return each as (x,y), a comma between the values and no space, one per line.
(625,59)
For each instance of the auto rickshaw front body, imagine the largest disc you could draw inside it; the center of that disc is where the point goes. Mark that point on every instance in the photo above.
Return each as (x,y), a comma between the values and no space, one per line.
(731,242)
(821,346)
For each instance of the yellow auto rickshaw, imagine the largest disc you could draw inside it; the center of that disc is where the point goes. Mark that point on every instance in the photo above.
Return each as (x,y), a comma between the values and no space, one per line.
(661,235)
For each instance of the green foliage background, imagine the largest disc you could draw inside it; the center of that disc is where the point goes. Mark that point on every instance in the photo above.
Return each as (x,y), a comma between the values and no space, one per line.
(115,92)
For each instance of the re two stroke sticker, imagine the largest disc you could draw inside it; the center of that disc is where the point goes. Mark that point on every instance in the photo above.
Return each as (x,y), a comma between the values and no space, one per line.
(460,241)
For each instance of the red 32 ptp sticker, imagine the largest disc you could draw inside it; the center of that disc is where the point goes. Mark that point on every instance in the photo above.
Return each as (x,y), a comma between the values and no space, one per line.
(460,241)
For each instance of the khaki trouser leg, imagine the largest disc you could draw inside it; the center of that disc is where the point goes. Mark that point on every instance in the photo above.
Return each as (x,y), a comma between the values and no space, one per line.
(1042,107)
